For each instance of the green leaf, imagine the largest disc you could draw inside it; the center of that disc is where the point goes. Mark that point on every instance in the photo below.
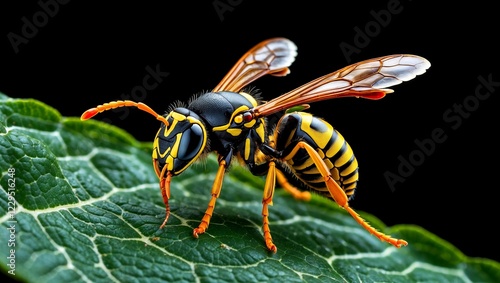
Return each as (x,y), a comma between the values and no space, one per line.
(88,209)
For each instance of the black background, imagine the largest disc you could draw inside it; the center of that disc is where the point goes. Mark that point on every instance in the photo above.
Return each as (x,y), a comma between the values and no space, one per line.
(90,53)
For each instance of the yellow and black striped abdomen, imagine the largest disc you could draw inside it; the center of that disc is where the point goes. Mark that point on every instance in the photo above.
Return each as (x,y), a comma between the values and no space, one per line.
(330,145)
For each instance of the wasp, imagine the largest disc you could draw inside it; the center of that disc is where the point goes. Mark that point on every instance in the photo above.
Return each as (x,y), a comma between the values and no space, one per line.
(266,136)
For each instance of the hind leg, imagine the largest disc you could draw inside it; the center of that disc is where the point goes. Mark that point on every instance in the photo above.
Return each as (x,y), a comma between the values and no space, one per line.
(338,193)
(291,189)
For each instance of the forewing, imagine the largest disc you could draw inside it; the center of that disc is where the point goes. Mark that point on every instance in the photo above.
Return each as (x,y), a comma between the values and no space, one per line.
(272,56)
(367,79)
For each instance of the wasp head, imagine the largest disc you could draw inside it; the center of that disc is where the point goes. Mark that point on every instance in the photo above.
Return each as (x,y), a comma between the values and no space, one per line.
(179,143)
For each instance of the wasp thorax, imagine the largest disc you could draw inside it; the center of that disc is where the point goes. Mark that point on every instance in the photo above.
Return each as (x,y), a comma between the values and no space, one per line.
(180,143)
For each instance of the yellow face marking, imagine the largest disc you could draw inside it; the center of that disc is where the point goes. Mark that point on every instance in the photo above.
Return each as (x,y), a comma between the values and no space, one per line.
(175,148)
(156,146)
(169,129)
(177,116)
(194,121)
(170,163)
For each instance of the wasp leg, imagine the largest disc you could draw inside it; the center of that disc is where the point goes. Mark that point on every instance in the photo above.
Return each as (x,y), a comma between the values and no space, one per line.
(165,192)
(282,180)
(216,188)
(266,201)
(341,198)
(296,193)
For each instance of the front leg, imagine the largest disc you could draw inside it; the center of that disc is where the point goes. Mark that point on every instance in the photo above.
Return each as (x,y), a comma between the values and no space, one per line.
(216,189)
(266,201)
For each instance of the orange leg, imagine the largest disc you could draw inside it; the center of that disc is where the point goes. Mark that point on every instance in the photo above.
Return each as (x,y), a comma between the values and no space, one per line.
(266,201)
(296,193)
(216,188)
(165,192)
(341,198)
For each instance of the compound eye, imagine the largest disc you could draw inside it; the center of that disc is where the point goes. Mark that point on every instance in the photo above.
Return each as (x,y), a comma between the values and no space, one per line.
(191,142)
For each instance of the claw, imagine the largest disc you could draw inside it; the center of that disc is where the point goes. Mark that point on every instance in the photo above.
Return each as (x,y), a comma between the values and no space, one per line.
(198,231)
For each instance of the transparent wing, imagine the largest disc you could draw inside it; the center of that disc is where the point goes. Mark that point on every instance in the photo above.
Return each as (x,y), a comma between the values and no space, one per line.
(272,56)
(367,79)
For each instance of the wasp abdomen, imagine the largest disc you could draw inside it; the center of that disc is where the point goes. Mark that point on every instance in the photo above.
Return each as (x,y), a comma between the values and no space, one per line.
(328,142)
